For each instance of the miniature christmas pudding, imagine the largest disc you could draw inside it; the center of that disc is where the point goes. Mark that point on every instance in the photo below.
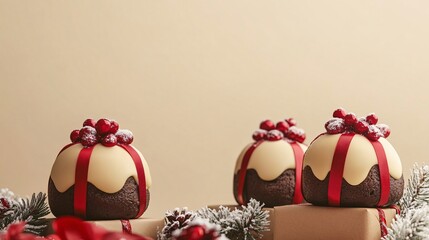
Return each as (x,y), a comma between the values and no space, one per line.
(269,169)
(352,164)
(100,175)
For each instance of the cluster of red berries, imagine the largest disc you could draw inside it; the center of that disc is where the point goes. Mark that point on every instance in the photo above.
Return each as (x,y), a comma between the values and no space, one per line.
(103,131)
(198,232)
(348,122)
(283,129)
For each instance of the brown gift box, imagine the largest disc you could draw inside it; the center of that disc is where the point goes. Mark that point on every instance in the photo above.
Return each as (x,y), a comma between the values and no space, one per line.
(141,226)
(309,222)
(313,222)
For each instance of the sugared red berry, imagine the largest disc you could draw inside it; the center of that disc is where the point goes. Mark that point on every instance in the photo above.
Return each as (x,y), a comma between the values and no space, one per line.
(274,135)
(282,126)
(295,134)
(87,130)
(350,119)
(335,125)
(291,121)
(124,136)
(361,127)
(339,113)
(109,140)
(372,119)
(89,122)
(74,136)
(103,126)
(384,129)
(114,126)
(259,135)
(267,125)
(373,133)
(88,140)
(192,233)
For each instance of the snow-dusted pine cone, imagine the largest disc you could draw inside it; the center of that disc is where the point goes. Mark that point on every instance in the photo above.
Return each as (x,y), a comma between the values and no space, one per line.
(176,219)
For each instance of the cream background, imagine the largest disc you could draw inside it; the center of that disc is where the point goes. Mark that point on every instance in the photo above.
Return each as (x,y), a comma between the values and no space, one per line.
(193,79)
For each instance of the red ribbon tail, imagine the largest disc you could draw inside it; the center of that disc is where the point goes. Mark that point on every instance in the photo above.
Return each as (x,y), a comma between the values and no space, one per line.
(126,226)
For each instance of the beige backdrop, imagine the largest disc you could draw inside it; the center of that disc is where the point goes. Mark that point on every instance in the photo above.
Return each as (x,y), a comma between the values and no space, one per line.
(193,79)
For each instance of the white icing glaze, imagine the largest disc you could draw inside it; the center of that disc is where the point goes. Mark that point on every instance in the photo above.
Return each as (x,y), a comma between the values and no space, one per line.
(360,158)
(270,159)
(109,168)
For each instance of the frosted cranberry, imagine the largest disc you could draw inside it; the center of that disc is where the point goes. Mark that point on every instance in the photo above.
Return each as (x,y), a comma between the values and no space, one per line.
(114,126)
(339,113)
(88,140)
(350,119)
(259,135)
(296,134)
(361,127)
(103,126)
(267,125)
(87,130)
(291,121)
(300,138)
(335,125)
(372,119)
(384,129)
(373,133)
(124,136)
(274,135)
(282,126)
(74,136)
(192,233)
(89,122)
(109,140)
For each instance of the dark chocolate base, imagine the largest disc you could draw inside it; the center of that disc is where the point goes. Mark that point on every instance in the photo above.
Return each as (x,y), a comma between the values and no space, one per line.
(123,204)
(366,194)
(277,192)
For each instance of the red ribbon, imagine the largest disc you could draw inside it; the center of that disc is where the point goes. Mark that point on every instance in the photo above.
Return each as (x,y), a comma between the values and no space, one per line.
(382,221)
(299,155)
(384,173)
(141,176)
(243,170)
(81,179)
(126,226)
(337,170)
(81,182)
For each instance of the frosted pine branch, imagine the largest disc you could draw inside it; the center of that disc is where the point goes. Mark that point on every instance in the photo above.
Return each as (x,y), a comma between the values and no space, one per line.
(413,221)
(414,225)
(26,210)
(247,223)
(416,193)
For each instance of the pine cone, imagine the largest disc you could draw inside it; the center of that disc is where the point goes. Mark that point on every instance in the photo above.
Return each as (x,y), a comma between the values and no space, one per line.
(176,219)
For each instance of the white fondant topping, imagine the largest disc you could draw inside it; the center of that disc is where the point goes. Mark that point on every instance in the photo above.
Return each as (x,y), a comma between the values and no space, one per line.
(270,159)
(109,168)
(360,158)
